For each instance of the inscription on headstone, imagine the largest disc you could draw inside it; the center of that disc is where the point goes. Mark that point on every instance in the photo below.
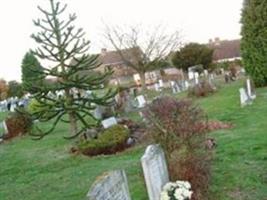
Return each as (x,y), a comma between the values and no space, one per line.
(155,171)
(110,186)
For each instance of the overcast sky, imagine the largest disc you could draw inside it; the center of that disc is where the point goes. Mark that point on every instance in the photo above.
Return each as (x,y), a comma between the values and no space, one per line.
(198,20)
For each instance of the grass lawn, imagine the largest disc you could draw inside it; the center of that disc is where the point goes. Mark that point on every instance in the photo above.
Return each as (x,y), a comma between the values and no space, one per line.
(31,170)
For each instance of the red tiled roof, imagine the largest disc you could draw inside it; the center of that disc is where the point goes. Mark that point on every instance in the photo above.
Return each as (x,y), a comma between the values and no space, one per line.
(225,49)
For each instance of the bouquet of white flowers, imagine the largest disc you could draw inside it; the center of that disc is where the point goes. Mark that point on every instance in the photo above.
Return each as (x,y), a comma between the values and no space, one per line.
(179,190)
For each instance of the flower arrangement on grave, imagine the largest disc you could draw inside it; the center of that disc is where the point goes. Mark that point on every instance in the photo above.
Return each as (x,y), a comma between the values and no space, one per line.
(179,190)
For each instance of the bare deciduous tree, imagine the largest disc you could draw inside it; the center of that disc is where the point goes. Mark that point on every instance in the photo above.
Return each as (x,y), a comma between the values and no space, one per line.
(146,48)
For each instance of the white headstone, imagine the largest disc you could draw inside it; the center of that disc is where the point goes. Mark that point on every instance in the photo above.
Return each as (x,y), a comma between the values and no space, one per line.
(157,88)
(250,95)
(110,186)
(161,83)
(249,88)
(155,171)
(186,83)
(141,101)
(196,75)
(109,122)
(98,112)
(137,78)
(190,75)
(243,97)
(206,73)
(175,87)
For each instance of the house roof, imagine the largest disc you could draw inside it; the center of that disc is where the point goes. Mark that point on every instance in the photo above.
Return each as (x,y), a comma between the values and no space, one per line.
(225,49)
(114,57)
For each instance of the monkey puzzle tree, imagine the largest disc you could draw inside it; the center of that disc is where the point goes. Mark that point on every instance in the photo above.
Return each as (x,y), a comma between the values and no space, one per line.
(71,70)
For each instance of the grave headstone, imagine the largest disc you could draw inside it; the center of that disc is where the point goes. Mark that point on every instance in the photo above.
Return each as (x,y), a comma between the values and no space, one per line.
(157,88)
(196,76)
(3,129)
(175,87)
(161,83)
(244,99)
(110,186)
(190,75)
(206,73)
(155,171)
(141,101)
(98,112)
(249,90)
(109,122)
(186,84)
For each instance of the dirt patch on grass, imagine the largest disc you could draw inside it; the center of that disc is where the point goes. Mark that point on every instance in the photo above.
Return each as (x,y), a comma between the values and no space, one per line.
(217,125)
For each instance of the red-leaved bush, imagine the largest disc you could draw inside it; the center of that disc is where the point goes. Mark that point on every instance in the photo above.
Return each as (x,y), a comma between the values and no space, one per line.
(179,126)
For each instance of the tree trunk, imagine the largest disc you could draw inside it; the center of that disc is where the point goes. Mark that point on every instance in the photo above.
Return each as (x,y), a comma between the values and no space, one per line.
(72,117)
(73,123)
(143,81)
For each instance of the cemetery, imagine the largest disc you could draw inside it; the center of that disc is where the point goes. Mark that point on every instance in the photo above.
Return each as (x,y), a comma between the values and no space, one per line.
(161,122)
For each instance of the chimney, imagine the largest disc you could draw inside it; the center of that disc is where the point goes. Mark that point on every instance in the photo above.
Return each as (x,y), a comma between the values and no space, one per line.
(217,41)
(210,41)
(103,51)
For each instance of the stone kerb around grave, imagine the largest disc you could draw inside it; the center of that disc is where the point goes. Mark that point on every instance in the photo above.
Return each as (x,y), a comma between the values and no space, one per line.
(111,185)
(155,171)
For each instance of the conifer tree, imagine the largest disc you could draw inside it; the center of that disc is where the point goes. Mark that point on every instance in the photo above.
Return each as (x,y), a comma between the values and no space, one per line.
(254,40)
(31,72)
(71,72)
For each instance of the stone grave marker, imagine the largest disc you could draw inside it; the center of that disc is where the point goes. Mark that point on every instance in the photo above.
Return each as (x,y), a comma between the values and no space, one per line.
(190,75)
(3,129)
(206,73)
(175,87)
(157,88)
(186,84)
(155,171)
(196,76)
(110,186)
(249,90)
(244,99)
(161,83)
(98,112)
(141,101)
(109,122)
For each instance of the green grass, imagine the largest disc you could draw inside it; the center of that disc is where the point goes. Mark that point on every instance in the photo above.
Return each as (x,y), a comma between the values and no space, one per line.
(45,169)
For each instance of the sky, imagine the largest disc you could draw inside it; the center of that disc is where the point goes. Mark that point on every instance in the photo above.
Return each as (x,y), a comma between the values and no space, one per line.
(197,20)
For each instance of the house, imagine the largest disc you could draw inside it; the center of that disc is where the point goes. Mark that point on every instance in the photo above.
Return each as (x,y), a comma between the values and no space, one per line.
(225,50)
(114,61)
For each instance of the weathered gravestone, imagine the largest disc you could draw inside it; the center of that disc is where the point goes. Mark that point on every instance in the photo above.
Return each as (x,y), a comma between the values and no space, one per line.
(109,122)
(249,90)
(98,112)
(161,83)
(196,76)
(175,87)
(157,88)
(110,186)
(190,75)
(244,99)
(155,171)
(3,129)
(141,101)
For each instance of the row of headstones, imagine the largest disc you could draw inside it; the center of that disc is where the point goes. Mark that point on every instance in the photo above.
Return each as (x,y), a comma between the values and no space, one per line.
(183,85)
(246,95)
(12,103)
(114,186)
